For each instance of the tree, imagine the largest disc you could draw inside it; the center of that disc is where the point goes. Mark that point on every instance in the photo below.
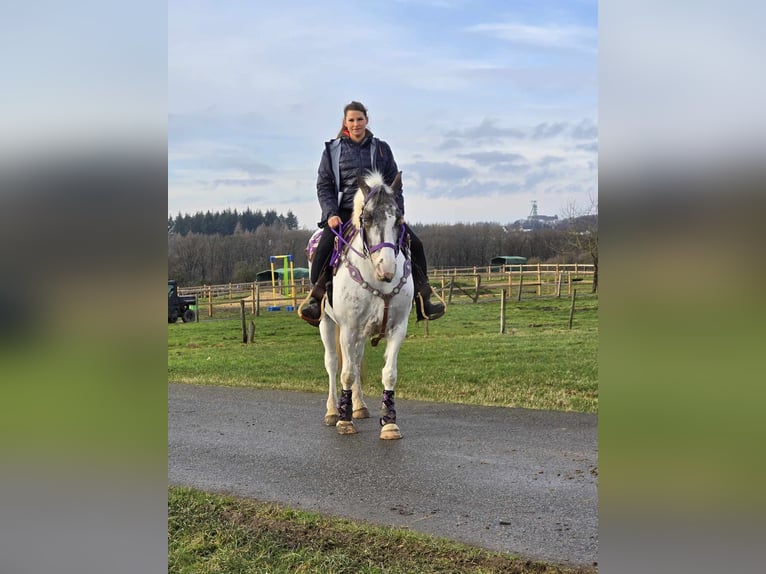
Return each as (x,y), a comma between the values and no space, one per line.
(291,221)
(581,229)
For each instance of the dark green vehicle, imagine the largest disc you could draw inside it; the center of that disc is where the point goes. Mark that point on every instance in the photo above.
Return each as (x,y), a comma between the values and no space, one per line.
(180,305)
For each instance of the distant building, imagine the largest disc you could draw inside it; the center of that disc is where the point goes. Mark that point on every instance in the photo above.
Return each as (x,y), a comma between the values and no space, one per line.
(536,221)
(507,262)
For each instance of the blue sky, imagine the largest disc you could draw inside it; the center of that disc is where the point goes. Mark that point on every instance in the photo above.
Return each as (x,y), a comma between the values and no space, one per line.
(487,105)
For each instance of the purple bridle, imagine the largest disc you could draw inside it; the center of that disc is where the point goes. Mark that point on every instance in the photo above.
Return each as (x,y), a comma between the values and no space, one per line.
(343,229)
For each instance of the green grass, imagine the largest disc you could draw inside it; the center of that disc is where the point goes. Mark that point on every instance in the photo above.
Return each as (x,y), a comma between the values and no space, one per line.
(212,534)
(538,363)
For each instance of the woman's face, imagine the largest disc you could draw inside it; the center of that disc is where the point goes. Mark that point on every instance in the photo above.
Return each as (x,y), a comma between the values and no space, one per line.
(356,124)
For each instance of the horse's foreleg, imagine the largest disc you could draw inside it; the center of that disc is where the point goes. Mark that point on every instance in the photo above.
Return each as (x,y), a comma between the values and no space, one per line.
(389,429)
(327,332)
(360,407)
(349,380)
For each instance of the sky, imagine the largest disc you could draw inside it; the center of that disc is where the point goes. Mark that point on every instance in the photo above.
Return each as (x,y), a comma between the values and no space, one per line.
(487,105)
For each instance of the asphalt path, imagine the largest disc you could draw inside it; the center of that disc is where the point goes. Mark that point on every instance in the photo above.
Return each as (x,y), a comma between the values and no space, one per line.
(513,480)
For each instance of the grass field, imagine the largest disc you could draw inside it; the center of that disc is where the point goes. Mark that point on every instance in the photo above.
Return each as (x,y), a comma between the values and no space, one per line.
(538,363)
(215,534)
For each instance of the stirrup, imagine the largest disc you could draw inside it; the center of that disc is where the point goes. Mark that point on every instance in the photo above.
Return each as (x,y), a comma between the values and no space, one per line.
(420,307)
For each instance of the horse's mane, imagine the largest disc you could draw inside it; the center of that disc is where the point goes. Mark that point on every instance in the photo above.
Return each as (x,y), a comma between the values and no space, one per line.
(372,179)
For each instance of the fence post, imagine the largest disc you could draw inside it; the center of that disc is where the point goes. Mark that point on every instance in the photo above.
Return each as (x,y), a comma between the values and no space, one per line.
(210,300)
(253,303)
(571,308)
(510,283)
(258,300)
(477,280)
(521,283)
(558,285)
(539,281)
(451,287)
(502,312)
(242,317)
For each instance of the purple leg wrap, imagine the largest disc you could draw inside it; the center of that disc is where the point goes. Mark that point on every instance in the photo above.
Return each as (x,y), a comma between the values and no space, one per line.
(344,406)
(387,410)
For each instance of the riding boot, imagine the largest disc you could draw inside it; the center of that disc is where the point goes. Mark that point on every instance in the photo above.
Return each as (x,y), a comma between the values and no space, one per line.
(424,308)
(311,312)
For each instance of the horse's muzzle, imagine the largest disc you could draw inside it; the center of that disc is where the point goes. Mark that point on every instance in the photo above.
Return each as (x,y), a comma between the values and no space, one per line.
(387,277)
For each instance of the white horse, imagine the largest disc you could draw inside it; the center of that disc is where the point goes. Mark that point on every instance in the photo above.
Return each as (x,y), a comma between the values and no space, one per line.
(372,298)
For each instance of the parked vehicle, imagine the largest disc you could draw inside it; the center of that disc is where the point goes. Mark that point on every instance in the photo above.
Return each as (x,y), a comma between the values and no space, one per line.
(180,305)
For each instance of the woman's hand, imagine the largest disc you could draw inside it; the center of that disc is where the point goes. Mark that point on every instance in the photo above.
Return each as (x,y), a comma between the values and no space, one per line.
(334,222)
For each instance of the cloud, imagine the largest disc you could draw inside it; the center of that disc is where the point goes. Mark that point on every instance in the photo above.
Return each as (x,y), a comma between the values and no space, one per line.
(554,35)
(495,157)
(546,130)
(487,129)
(586,129)
(487,188)
(550,160)
(251,182)
(437,171)
(591,147)
(451,143)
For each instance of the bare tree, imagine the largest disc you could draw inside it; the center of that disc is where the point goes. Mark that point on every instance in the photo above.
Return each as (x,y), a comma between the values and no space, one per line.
(581,228)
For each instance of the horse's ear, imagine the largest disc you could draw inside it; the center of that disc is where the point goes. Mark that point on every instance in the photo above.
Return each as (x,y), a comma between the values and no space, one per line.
(397,183)
(363,185)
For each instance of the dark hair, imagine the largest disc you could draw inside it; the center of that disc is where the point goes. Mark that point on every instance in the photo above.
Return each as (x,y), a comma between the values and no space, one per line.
(351,107)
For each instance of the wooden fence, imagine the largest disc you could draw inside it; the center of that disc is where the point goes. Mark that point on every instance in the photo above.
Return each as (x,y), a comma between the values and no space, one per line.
(454,285)
(538,280)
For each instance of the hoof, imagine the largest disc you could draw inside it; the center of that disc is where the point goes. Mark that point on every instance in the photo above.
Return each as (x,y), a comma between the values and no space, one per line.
(362,413)
(390,432)
(345,427)
(331,420)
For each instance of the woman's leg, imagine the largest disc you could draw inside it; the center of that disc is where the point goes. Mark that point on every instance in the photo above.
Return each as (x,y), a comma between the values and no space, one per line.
(311,312)
(322,255)
(424,307)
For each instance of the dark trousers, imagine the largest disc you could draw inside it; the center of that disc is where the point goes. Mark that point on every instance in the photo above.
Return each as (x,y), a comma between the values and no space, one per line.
(323,253)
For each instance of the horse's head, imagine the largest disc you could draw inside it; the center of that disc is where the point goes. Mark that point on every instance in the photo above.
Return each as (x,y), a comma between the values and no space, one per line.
(378,217)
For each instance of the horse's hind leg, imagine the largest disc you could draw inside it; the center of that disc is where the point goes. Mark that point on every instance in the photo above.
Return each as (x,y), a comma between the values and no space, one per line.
(327,331)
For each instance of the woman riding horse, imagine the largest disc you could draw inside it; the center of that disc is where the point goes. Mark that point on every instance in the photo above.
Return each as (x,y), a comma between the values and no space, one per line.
(352,154)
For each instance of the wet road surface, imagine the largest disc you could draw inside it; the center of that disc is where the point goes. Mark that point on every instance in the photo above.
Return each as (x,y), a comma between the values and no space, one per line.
(513,480)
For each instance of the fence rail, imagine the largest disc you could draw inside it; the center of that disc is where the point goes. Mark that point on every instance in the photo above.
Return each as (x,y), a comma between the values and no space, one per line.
(453,285)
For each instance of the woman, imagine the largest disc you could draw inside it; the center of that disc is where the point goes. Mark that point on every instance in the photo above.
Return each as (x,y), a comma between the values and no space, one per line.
(354,152)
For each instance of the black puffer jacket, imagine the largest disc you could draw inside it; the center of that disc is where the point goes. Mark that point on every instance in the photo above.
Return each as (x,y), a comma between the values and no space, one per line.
(352,160)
